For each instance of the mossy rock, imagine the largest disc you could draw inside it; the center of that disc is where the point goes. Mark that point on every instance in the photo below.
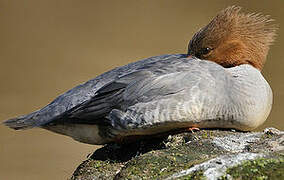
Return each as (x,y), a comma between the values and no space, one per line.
(261,168)
(206,154)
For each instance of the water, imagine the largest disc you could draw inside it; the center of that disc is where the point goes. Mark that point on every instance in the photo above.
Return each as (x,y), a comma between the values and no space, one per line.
(48,47)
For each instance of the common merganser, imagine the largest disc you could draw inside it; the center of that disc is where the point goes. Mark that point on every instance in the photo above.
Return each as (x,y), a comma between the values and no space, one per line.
(217,84)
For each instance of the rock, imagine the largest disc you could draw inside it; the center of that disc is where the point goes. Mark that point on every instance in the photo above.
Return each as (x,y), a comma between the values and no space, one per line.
(207,154)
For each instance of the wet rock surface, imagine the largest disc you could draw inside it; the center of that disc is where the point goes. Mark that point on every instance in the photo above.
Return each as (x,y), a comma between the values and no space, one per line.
(206,154)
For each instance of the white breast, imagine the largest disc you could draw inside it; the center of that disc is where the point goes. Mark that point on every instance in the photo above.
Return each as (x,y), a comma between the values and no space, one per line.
(253,94)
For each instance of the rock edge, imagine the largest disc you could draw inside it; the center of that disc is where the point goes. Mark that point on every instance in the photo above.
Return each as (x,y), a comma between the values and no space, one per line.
(206,154)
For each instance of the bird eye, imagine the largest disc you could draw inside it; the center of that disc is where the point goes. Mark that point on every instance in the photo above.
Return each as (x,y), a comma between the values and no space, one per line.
(205,51)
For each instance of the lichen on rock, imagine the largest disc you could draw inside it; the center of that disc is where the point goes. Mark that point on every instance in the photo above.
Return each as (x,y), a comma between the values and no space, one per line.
(207,154)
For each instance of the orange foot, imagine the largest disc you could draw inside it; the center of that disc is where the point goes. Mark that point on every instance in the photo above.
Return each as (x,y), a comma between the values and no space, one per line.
(193,128)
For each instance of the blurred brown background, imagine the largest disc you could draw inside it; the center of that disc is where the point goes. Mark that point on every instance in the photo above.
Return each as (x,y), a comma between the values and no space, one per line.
(48,47)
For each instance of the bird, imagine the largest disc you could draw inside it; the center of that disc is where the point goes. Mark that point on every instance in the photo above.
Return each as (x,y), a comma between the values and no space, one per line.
(217,83)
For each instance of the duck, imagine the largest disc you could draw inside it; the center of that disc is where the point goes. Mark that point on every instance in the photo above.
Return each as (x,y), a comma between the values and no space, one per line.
(216,84)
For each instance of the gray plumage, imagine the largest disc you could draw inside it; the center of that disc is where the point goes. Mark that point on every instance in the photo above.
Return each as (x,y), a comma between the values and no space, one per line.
(156,95)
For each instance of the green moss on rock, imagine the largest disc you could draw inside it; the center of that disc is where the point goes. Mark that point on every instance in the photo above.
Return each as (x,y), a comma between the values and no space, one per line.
(160,164)
(100,169)
(262,168)
(165,156)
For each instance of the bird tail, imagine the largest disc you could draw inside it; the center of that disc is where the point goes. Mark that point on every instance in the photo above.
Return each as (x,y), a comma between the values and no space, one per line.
(22,122)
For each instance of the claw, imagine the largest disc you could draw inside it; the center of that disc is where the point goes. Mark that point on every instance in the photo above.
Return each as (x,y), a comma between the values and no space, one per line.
(193,128)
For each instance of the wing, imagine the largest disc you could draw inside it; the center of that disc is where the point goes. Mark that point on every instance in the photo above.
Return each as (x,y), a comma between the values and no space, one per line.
(174,100)
(151,95)
(80,95)
(108,97)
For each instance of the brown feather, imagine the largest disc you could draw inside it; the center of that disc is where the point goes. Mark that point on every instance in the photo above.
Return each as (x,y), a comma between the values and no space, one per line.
(235,38)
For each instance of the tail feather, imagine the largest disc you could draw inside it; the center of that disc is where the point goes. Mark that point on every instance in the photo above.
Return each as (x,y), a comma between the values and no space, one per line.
(22,122)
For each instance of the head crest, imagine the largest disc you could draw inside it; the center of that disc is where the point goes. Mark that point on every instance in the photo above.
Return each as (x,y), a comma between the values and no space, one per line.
(246,36)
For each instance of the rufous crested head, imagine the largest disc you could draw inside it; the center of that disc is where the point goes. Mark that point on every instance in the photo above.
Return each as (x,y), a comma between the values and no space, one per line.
(233,38)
